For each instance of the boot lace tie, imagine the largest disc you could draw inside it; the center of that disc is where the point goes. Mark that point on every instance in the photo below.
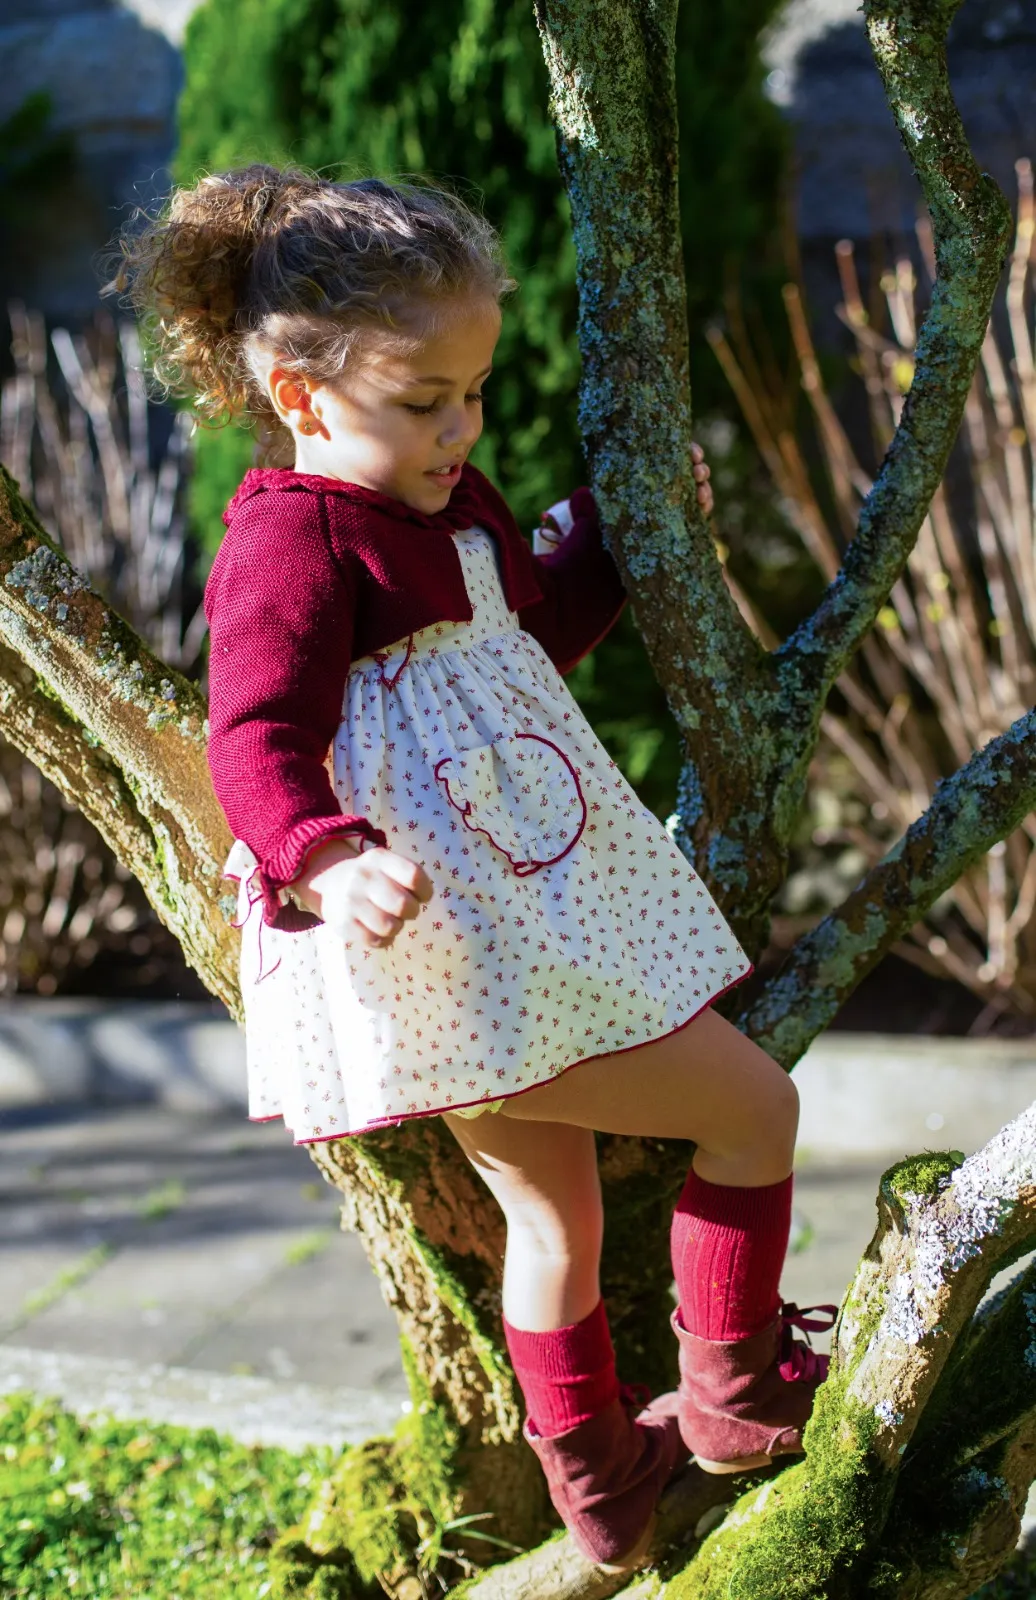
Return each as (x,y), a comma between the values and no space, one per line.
(800,1362)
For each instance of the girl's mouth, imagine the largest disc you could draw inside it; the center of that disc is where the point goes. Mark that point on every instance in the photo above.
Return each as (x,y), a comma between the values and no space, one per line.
(446,476)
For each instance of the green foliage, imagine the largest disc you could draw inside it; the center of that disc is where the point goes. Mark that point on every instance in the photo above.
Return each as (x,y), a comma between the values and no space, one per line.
(805,1522)
(389,1503)
(121,1509)
(925,1174)
(388,1511)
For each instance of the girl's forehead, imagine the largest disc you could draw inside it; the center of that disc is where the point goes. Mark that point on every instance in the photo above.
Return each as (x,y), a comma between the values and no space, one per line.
(453,343)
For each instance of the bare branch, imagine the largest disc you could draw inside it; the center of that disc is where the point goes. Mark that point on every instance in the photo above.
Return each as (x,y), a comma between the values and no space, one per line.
(972,230)
(983,801)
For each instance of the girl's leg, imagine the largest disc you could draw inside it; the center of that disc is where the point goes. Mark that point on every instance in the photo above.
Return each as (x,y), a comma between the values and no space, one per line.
(544,1179)
(730,1229)
(706,1082)
(605,1470)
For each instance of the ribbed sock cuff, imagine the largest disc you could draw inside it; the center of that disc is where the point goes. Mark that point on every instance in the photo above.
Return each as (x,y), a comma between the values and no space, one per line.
(728,1249)
(566,1375)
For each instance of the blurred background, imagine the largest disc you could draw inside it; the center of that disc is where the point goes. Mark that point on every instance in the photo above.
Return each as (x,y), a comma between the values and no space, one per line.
(808,269)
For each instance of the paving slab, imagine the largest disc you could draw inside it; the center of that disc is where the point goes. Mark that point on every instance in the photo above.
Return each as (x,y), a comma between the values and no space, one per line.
(183,1240)
(188,1266)
(834,1214)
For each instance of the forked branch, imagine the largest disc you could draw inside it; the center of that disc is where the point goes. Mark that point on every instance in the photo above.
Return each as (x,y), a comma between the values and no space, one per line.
(981,804)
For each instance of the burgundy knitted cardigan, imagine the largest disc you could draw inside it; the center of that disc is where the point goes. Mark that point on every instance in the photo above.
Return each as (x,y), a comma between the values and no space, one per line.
(314,573)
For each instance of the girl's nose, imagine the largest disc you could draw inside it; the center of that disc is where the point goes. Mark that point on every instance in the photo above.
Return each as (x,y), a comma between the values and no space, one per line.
(461,425)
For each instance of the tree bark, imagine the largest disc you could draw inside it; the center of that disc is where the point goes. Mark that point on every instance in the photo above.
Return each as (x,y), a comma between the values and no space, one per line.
(123,737)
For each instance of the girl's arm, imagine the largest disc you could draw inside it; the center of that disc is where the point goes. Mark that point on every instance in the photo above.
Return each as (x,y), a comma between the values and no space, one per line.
(280,610)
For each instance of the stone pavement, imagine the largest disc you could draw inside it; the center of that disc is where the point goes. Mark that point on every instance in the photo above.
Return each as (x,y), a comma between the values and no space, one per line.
(139,1239)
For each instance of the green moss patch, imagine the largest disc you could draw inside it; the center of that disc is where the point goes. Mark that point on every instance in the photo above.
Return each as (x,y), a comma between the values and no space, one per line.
(122,1509)
(797,1534)
(925,1174)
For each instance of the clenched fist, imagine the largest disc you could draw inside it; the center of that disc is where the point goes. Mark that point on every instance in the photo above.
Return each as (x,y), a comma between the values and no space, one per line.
(363,896)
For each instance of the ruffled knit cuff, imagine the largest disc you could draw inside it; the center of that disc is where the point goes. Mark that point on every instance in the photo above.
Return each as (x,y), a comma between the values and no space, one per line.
(287,862)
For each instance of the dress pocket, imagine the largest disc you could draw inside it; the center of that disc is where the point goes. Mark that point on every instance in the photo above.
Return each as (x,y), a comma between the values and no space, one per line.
(522,792)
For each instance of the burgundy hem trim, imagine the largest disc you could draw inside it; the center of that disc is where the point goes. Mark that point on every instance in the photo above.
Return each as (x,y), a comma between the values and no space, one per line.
(521,869)
(416,1116)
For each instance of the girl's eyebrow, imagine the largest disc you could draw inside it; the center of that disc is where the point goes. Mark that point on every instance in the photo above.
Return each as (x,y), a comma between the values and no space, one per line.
(447,383)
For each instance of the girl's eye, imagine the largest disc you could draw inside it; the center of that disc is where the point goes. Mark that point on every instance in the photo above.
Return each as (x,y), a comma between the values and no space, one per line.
(425,411)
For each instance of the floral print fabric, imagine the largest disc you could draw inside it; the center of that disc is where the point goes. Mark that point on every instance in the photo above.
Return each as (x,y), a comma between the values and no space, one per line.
(564,923)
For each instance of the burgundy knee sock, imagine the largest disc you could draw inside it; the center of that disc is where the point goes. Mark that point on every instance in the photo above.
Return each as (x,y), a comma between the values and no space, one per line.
(728,1248)
(567,1375)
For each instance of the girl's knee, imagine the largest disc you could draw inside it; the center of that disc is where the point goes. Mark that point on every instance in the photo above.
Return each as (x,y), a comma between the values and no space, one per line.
(777,1114)
(773,1119)
(570,1231)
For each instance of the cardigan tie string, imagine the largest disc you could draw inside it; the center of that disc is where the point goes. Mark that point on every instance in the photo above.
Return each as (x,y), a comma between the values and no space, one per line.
(381,656)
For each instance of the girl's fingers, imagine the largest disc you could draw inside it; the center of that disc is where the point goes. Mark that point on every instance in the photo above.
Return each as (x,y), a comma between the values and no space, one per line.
(409,875)
(376,926)
(697,453)
(390,898)
(701,472)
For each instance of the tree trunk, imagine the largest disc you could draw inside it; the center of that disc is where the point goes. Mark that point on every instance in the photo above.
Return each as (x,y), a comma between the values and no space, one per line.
(905,1491)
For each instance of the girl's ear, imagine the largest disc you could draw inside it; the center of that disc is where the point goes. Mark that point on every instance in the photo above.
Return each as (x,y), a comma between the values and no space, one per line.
(290,394)
(293,401)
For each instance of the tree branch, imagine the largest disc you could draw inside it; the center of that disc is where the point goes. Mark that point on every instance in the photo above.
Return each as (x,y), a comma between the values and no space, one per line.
(972,230)
(967,1473)
(943,1225)
(119,732)
(982,803)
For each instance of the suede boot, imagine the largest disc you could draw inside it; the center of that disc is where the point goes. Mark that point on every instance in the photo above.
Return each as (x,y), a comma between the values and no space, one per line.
(744,1401)
(606,1475)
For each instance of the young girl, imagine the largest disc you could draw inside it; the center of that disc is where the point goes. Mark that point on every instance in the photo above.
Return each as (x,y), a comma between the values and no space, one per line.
(451,901)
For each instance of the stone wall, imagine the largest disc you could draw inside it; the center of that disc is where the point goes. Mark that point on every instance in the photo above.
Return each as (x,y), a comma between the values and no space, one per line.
(113,77)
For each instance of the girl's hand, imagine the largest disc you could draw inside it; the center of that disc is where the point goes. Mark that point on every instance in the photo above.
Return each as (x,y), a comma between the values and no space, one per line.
(557,523)
(701,478)
(554,525)
(363,896)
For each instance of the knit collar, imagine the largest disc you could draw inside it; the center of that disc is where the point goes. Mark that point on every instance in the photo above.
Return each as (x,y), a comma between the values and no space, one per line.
(459,512)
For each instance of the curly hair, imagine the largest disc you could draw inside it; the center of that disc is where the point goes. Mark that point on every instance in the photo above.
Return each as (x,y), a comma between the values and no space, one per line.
(266,260)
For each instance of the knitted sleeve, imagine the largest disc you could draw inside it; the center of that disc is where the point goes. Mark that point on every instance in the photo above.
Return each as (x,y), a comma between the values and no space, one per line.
(280,609)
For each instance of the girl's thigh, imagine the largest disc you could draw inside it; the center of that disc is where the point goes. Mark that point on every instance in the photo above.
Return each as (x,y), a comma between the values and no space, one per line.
(543,1174)
(705,1082)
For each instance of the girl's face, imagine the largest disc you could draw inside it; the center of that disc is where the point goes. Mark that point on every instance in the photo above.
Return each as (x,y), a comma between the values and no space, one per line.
(399,424)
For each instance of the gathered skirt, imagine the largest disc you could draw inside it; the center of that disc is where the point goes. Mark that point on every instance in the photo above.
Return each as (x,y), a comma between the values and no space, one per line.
(564,923)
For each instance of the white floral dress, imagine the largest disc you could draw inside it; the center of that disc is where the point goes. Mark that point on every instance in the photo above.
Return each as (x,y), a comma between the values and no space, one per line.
(564,923)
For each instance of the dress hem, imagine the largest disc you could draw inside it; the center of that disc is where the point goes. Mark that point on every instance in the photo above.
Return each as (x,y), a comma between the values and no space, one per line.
(438,1111)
